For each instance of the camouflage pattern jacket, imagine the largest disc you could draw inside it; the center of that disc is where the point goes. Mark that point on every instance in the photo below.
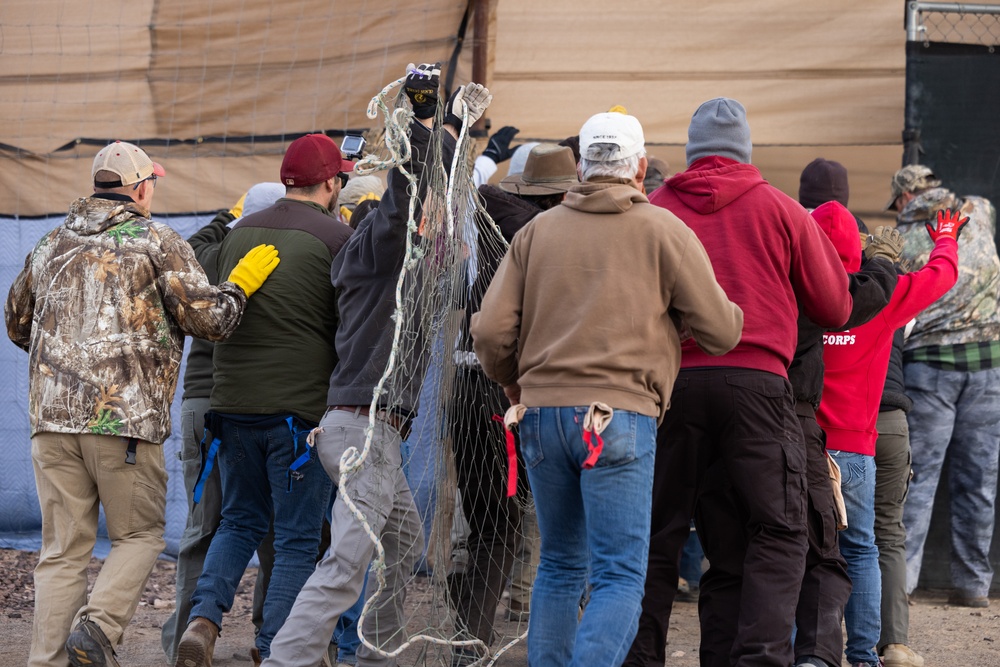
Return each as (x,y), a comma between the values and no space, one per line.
(102,307)
(968,313)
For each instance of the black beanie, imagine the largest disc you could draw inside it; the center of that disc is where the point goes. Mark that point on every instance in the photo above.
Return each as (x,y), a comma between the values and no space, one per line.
(822,181)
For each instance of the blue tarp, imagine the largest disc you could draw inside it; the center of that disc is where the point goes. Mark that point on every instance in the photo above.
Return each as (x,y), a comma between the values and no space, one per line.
(20,517)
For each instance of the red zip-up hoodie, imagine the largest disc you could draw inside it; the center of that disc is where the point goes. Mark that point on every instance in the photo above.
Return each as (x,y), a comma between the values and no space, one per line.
(766,251)
(857,360)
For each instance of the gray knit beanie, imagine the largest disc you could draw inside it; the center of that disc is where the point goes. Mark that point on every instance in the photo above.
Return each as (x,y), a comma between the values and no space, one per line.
(719,127)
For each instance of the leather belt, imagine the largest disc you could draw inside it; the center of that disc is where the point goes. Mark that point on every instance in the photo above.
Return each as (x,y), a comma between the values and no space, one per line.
(398,422)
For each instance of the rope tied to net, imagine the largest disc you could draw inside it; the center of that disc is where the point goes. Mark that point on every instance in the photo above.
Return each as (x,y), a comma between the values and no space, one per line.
(397,142)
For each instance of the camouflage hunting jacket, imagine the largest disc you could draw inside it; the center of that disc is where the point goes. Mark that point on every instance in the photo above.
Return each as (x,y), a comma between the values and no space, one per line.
(968,312)
(102,307)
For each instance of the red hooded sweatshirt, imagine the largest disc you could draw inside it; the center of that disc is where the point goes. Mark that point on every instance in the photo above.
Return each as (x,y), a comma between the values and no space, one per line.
(857,360)
(766,251)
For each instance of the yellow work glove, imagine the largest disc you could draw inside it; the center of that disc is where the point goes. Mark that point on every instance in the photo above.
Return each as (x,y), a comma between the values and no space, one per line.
(237,210)
(254,268)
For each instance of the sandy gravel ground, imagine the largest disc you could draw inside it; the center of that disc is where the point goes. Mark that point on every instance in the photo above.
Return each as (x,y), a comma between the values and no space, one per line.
(943,634)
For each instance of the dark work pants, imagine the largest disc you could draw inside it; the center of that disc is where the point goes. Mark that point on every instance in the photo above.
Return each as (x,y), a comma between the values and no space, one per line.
(825,586)
(494,519)
(750,512)
(674,486)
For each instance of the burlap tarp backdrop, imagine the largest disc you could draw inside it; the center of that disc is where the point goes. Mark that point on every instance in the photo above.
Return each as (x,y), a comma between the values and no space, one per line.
(215,90)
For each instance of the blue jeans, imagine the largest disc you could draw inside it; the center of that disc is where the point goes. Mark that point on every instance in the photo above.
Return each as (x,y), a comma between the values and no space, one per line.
(691,557)
(954,412)
(254,466)
(591,521)
(857,545)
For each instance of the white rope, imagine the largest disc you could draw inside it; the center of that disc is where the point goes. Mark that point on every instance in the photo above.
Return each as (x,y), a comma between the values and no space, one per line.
(399,147)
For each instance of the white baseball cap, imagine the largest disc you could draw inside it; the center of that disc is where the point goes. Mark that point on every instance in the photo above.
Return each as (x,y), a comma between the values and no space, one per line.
(612,128)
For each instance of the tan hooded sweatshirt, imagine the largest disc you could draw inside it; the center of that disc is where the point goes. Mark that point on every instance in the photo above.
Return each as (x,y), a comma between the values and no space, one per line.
(584,306)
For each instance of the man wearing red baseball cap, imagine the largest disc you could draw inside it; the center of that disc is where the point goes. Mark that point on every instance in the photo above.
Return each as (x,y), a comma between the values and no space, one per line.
(270,385)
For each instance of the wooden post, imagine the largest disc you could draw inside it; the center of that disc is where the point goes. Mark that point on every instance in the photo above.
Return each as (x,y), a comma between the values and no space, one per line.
(480,56)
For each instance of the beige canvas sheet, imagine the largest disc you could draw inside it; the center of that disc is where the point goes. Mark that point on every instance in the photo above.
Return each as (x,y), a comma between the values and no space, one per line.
(817,78)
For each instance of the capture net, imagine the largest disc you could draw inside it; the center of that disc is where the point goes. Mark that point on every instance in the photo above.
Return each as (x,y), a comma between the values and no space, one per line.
(215,90)
(480,536)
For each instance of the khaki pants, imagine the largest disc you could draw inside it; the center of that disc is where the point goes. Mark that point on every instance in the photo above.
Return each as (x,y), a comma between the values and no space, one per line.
(526,558)
(73,473)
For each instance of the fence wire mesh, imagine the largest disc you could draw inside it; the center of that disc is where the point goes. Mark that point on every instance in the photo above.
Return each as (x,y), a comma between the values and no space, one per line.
(955,23)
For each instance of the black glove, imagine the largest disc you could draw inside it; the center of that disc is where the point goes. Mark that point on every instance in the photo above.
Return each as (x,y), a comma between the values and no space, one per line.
(498,149)
(421,87)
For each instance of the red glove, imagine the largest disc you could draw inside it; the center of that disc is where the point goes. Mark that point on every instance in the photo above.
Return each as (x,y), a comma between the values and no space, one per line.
(949,225)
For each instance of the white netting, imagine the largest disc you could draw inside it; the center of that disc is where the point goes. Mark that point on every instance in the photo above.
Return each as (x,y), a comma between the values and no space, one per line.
(454,605)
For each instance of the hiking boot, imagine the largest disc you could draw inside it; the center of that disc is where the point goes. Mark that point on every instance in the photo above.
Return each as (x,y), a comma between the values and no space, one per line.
(900,655)
(88,646)
(197,644)
(960,599)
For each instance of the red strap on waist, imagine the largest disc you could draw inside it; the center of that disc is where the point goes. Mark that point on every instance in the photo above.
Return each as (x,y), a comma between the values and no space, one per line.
(511,458)
(593,449)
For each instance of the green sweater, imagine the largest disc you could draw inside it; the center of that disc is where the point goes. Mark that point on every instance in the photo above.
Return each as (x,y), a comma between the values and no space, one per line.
(279,360)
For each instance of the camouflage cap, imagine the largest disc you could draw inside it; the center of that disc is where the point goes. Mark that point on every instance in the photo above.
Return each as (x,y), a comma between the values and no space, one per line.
(911,178)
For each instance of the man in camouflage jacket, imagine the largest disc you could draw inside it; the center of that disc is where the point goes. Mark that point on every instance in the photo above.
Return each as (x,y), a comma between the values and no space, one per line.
(102,307)
(952,372)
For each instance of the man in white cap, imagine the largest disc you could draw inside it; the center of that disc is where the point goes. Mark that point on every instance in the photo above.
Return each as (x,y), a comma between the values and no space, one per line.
(102,307)
(594,365)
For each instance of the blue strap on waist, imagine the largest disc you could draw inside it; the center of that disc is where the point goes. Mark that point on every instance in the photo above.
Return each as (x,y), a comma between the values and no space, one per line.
(300,459)
(207,463)
(213,425)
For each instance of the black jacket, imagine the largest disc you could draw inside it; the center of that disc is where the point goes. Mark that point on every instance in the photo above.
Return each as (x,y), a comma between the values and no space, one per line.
(894,393)
(205,243)
(871,289)
(510,213)
(365,274)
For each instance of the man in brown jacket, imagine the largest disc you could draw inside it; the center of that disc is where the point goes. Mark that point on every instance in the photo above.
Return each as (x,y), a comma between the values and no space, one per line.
(582,323)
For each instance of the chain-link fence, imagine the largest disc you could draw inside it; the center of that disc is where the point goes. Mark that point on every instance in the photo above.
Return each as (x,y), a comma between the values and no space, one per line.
(952,126)
(954,23)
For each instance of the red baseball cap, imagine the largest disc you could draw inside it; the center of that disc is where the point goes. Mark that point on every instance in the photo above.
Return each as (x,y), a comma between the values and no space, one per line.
(312,159)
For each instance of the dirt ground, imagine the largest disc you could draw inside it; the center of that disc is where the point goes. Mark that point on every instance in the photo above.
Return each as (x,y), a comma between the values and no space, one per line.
(943,634)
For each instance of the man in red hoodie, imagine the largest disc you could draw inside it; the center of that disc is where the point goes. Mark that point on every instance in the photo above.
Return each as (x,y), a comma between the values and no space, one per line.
(735,412)
(856,362)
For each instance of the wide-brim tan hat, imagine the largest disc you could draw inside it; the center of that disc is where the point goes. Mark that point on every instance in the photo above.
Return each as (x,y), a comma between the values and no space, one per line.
(550,169)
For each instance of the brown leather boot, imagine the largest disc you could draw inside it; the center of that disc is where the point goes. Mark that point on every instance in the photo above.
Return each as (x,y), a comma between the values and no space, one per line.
(197,643)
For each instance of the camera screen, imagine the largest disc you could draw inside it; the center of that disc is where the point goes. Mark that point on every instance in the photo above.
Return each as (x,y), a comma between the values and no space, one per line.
(352,144)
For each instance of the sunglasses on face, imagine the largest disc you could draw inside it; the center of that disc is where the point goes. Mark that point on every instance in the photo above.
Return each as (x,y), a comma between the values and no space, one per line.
(343,179)
(151,178)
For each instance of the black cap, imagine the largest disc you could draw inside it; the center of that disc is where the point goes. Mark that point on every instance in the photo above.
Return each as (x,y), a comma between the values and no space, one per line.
(822,181)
